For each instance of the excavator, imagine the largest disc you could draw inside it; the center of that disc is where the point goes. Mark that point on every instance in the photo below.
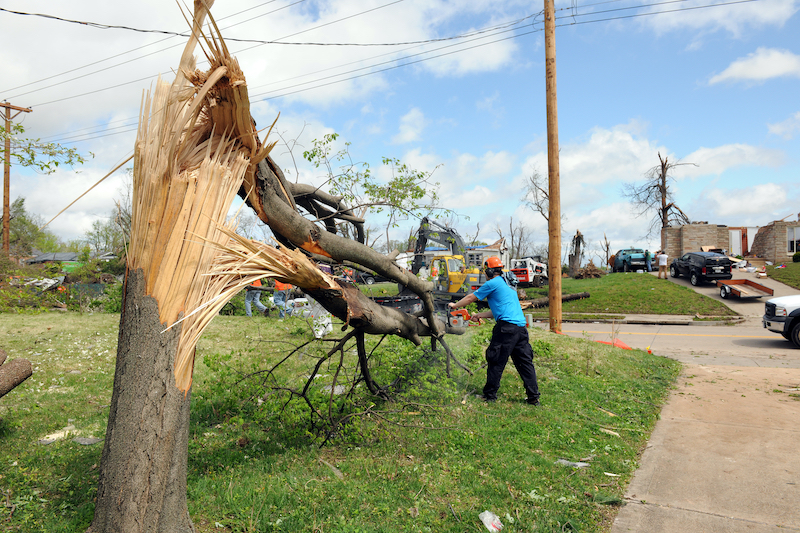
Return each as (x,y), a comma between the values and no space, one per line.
(449,273)
(452,281)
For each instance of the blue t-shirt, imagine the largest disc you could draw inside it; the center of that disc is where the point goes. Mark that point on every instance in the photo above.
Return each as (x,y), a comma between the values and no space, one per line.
(502,300)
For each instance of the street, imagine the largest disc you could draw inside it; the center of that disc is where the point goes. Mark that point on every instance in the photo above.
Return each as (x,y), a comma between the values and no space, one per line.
(747,344)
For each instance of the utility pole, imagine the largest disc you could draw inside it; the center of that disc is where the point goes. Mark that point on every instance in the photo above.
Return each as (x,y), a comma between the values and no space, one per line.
(554,190)
(7,175)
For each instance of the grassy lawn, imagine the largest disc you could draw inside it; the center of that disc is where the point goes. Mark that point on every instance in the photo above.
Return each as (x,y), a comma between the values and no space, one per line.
(789,275)
(431,459)
(635,294)
(619,294)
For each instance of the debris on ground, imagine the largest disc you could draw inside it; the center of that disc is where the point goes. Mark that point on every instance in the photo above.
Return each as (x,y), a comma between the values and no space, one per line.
(589,271)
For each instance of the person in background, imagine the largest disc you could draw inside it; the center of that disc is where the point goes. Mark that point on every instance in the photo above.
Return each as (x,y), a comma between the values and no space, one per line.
(253,296)
(648,260)
(423,272)
(509,336)
(282,291)
(662,264)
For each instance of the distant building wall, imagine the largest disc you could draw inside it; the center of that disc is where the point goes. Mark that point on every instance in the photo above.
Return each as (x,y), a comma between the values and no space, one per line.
(777,241)
(689,238)
(671,237)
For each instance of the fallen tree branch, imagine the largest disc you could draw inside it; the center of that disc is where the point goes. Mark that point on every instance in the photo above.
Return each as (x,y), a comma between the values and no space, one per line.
(544,302)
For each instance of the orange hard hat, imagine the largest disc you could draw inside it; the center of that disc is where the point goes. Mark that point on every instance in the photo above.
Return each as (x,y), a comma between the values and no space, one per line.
(493,262)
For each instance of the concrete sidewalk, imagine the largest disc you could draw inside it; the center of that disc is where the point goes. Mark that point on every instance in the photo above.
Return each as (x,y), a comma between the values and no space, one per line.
(723,457)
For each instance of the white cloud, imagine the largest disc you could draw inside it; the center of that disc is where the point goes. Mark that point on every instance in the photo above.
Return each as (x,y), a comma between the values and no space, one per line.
(750,205)
(715,161)
(411,126)
(787,128)
(607,156)
(735,19)
(761,65)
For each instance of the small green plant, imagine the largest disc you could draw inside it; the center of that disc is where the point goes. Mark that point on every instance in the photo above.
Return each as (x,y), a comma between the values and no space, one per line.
(796,257)
(542,349)
(113,300)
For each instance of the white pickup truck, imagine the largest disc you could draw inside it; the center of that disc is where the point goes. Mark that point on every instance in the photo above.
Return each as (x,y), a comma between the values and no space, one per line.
(782,315)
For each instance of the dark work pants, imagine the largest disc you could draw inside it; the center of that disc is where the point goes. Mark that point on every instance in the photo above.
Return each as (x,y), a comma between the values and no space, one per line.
(509,340)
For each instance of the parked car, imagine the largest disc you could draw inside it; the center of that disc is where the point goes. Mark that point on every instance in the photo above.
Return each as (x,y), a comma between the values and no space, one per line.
(630,259)
(367,278)
(782,315)
(701,267)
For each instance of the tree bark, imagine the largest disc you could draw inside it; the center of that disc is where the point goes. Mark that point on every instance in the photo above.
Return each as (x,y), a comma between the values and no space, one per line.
(13,373)
(275,206)
(143,467)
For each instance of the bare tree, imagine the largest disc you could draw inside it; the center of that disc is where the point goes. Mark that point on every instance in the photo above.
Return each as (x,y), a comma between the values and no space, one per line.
(606,247)
(519,237)
(536,192)
(655,196)
(576,253)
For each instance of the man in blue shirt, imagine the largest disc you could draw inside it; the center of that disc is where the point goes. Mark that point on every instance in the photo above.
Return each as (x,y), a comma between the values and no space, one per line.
(509,336)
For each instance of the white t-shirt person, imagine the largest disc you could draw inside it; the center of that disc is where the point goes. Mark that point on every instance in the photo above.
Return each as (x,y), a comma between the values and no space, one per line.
(662,264)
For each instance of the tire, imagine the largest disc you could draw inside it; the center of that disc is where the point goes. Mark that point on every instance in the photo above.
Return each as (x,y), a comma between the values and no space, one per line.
(694,280)
(673,272)
(723,292)
(625,267)
(795,334)
(369,280)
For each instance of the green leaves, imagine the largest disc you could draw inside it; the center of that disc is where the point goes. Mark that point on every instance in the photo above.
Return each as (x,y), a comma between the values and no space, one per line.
(42,156)
(406,193)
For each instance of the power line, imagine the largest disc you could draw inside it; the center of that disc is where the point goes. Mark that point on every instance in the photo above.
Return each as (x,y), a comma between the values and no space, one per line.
(689,8)
(479,33)
(140,57)
(262,41)
(222,29)
(399,59)
(452,52)
(498,40)
(402,65)
(475,33)
(122,53)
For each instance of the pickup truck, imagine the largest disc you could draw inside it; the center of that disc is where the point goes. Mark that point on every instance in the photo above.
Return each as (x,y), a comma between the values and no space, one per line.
(782,315)
(627,260)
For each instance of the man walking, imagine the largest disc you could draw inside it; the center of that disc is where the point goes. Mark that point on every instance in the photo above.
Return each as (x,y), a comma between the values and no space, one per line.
(662,264)
(253,296)
(648,260)
(509,336)
(280,297)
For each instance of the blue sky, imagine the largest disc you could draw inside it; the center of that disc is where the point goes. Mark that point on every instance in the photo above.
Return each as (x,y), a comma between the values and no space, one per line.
(713,86)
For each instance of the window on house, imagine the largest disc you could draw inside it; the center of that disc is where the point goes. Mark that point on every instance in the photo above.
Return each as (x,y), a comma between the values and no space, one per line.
(474,260)
(793,239)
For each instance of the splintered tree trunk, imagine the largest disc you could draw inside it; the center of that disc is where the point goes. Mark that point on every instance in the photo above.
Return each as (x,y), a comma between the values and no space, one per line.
(195,143)
(143,467)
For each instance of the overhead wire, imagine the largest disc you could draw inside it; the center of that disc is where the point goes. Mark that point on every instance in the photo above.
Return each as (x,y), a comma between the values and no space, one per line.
(651,13)
(174,46)
(480,33)
(177,45)
(121,53)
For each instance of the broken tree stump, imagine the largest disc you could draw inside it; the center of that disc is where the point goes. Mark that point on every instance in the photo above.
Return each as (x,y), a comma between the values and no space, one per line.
(13,373)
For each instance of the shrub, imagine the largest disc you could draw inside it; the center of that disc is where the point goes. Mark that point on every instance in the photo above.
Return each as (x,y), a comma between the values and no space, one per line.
(115,267)
(796,257)
(113,300)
